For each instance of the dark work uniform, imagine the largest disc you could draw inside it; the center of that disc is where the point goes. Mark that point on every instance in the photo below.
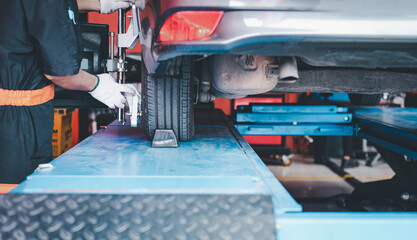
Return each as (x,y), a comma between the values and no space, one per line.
(37,37)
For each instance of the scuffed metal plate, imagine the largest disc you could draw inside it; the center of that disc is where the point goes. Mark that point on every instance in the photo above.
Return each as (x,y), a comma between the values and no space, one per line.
(159,216)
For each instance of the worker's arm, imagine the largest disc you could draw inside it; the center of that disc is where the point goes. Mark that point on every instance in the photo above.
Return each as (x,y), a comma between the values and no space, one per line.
(102,87)
(88,5)
(82,81)
(103,6)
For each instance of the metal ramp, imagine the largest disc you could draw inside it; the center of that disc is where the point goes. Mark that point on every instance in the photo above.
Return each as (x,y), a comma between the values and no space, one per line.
(214,187)
(114,185)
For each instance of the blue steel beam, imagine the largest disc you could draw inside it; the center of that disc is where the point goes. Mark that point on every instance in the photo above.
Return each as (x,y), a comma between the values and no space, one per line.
(293,118)
(298,109)
(313,120)
(296,130)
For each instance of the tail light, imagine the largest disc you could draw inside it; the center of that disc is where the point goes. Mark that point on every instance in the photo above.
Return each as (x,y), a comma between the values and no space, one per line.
(189,26)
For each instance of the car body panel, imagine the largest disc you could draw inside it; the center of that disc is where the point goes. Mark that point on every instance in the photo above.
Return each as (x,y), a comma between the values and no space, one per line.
(370,34)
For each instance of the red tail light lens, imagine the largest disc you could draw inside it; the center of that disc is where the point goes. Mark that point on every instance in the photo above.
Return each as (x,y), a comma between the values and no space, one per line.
(189,26)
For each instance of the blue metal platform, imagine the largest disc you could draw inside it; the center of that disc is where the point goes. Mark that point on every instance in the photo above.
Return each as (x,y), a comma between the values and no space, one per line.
(190,192)
(392,128)
(216,171)
(119,159)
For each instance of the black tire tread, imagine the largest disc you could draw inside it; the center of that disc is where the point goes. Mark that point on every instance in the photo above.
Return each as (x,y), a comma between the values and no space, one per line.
(167,102)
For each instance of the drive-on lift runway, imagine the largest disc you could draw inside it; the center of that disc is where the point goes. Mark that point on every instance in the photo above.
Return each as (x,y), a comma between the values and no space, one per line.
(213,187)
(114,186)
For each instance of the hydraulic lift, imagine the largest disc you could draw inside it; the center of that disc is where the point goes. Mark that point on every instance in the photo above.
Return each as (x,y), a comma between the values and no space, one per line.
(113,185)
(392,130)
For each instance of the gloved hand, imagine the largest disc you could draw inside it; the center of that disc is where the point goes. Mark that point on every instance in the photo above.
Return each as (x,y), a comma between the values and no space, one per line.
(109,92)
(109,6)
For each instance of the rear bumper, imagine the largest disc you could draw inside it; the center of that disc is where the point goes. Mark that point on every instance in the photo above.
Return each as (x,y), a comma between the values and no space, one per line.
(320,38)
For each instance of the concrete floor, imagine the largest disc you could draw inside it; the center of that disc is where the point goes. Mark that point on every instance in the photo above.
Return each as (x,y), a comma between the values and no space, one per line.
(304,179)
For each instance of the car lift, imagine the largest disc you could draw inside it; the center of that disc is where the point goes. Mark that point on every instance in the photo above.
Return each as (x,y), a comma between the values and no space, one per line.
(393,130)
(113,185)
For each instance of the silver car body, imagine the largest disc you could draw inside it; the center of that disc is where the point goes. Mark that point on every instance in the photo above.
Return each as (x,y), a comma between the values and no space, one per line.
(339,33)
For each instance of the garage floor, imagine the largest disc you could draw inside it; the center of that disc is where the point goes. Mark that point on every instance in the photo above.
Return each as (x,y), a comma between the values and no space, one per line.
(306,180)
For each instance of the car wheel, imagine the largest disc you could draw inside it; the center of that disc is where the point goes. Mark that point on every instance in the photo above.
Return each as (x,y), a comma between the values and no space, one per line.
(365,99)
(167,101)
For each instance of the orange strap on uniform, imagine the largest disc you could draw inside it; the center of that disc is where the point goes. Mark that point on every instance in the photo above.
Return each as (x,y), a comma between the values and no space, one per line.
(27,97)
(6,188)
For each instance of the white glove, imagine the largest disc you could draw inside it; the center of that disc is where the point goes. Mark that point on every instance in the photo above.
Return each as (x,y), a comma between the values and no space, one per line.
(109,92)
(109,6)
(138,3)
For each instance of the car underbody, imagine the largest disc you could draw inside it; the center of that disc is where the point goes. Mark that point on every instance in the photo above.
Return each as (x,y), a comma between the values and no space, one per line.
(231,49)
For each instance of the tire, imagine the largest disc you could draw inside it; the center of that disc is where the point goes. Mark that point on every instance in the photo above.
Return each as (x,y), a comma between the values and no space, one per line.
(365,99)
(167,101)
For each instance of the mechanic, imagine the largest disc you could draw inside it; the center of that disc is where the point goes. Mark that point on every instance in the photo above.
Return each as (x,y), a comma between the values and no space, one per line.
(40,46)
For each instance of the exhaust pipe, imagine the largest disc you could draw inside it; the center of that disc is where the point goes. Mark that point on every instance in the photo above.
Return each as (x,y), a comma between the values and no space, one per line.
(288,71)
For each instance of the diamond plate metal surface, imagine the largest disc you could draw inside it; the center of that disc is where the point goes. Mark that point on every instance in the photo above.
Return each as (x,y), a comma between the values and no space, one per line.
(159,216)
